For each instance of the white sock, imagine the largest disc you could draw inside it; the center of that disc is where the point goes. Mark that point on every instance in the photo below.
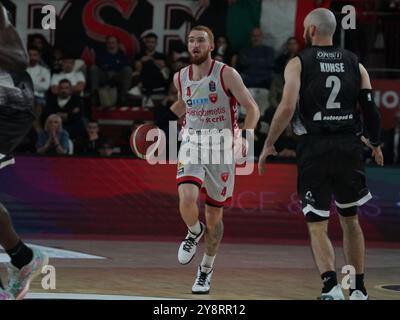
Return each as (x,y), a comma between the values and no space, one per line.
(208,261)
(196,228)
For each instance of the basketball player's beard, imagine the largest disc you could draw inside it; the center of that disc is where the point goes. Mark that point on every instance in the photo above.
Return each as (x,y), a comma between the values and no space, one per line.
(199,59)
(307,40)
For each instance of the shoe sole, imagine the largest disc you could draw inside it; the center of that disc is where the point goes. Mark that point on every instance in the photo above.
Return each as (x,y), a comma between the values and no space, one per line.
(200,292)
(24,291)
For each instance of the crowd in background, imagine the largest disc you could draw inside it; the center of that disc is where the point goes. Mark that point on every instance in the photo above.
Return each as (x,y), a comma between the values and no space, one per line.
(68,89)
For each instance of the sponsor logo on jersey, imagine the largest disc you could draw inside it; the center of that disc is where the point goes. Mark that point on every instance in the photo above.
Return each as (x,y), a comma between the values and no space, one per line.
(197,101)
(225,176)
(188,93)
(213,97)
(212,86)
(326,55)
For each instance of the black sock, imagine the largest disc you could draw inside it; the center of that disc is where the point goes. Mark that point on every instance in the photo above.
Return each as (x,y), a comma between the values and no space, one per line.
(329,280)
(20,255)
(359,284)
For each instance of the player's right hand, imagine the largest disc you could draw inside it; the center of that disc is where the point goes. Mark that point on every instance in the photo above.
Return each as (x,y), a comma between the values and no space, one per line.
(377,154)
(266,152)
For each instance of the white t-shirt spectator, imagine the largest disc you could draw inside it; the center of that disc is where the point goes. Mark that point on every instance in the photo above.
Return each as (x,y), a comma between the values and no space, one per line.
(41,79)
(73,77)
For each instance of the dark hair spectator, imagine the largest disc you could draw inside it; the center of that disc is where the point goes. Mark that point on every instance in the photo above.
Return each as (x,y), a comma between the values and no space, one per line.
(111,69)
(69,107)
(90,143)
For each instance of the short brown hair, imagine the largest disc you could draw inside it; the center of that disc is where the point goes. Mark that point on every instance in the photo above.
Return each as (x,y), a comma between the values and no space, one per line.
(206,29)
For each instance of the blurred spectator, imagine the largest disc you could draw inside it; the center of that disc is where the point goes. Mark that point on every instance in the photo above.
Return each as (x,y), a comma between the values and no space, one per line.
(41,82)
(111,70)
(76,78)
(90,143)
(69,107)
(38,41)
(151,65)
(56,62)
(256,64)
(53,139)
(223,51)
(391,143)
(275,93)
(290,50)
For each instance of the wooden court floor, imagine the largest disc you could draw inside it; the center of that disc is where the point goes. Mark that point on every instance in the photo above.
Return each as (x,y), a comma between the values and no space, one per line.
(242,271)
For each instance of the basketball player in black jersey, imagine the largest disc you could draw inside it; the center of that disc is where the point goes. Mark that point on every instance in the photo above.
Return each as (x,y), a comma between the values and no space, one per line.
(16,117)
(327,84)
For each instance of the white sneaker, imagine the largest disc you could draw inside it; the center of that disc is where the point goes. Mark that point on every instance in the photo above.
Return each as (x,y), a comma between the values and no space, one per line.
(188,246)
(358,295)
(336,293)
(203,280)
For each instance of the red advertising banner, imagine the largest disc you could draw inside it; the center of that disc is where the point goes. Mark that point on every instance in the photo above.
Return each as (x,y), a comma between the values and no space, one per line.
(387,98)
(125,198)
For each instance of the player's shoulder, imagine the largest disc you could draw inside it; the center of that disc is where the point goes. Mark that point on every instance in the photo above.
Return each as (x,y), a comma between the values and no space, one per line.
(349,54)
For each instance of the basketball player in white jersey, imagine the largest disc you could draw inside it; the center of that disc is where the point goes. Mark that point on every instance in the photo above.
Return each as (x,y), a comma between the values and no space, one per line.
(208,92)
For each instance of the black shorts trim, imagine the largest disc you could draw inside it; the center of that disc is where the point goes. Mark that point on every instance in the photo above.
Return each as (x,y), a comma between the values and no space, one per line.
(189,182)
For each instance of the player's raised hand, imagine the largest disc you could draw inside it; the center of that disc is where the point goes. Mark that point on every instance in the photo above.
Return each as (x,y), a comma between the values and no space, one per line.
(267,151)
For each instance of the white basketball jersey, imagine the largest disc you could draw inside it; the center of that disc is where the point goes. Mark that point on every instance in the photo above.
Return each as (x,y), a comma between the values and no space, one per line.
(209,106)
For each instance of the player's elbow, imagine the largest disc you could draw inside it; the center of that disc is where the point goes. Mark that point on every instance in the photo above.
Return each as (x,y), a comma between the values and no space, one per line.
(254,111)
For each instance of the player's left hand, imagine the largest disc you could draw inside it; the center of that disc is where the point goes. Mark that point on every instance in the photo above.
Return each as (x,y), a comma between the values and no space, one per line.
(241,148)
(269,151)
(376,151)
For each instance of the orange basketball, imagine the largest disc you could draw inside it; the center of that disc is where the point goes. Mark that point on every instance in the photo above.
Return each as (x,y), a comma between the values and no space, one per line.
(144,137)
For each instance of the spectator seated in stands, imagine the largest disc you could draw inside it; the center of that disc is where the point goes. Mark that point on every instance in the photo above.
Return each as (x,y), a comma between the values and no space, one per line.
(111,75)
(290,50)
(256,64)
(275,93)
(90,143)
(76,78)
(53,139)
(69,107)
(41,83)
(223,51)
(39,42)
(151,65)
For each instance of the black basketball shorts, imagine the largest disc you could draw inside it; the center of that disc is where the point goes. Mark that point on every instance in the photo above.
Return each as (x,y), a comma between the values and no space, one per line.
(330,166)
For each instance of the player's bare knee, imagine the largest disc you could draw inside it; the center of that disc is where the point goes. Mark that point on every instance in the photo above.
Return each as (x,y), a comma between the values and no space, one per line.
(349,222)
(318,227)
(188,199)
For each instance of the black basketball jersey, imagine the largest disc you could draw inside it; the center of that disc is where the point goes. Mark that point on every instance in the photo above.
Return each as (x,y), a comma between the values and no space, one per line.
(330,85)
